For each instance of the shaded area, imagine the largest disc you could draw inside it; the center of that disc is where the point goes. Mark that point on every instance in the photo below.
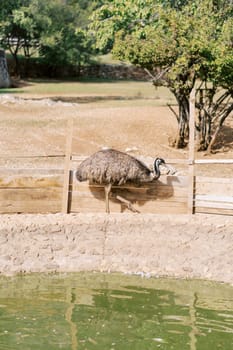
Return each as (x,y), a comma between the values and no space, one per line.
(97,98)
(135,194)
(224,140)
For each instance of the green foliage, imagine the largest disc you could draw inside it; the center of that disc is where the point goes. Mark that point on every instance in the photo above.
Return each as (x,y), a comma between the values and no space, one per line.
(9,28)
(55,29)
(69,46)
(187,40)
(222,66)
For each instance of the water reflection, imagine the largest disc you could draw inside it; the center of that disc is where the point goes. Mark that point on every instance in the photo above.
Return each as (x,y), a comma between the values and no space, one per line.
(98,311)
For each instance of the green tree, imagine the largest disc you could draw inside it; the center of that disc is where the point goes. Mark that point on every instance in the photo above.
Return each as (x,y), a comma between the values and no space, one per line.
(63,41)
(11,34)
(178,43)
(54,30)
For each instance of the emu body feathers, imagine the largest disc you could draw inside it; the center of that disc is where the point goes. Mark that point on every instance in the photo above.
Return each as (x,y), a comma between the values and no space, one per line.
(115,167)
(111,167)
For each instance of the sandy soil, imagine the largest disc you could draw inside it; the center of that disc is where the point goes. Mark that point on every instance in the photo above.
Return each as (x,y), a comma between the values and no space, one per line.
(31,128)
(39,126)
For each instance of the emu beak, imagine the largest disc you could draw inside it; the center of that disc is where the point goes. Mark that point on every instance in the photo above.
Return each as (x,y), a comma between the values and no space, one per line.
(169,169)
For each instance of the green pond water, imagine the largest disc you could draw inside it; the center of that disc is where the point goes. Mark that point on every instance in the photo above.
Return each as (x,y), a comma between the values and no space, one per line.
(113,312)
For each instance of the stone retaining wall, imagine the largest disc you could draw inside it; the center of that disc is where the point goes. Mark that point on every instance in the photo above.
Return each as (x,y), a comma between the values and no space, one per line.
(33,69)
(175,246)
(114,71)
(4,76)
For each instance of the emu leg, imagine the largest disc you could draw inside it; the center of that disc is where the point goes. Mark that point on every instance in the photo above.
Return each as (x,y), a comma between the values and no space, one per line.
(107,190)
(128,204)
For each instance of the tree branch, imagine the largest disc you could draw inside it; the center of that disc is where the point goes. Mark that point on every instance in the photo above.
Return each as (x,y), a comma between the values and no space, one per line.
(159,76)
(173,111)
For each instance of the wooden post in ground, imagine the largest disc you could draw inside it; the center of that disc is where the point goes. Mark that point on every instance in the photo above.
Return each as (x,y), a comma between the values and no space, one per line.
(68,154)
(191,151)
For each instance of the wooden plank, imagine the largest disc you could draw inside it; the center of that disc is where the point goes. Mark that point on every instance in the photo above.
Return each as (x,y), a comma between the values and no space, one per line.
(78,201)
(32,182)
(164,180)
(96,205)
(216,205)
(132,195)
(191,150)
(140,189)
(67,174)
(214,198)
(162,192)
(156,189)
(214,189)
(174,181)
(3,156)
(219,180)
(30,206)
(208,189)
(25,194)
(77,197)
(211,188)
(214,161)
(162,211)
(213,211)
(30,171)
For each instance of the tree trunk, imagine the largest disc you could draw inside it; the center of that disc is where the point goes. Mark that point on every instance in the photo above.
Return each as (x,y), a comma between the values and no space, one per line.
(16,68)
(181,140)
(204,101)
(204,129)
(211,116)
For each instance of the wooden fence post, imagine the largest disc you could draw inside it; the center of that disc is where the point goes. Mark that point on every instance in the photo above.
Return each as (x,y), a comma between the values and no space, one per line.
(68,154)
(191,151)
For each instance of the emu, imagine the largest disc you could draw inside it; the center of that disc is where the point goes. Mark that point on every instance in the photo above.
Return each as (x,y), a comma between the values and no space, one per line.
(111,167)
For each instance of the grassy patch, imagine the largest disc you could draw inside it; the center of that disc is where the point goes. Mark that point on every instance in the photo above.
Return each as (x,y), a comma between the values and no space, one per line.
(104,89)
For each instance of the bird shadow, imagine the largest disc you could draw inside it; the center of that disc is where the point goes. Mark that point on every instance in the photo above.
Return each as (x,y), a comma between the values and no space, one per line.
(136,194)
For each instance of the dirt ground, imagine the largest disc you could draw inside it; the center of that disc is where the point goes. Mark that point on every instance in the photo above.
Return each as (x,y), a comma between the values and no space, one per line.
(37,127)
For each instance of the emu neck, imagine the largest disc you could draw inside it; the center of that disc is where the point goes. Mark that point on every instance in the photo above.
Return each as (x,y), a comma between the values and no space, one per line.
(156,175)
(156,172)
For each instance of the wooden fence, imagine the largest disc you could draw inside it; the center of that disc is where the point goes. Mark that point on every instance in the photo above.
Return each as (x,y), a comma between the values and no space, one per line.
(213,194)
(56,190)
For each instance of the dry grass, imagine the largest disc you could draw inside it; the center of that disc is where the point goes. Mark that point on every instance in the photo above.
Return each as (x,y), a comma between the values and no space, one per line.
(115,114)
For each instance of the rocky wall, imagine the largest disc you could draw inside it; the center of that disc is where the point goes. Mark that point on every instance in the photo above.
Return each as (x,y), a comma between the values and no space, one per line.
(177,246)
(33,69)
(4,76)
